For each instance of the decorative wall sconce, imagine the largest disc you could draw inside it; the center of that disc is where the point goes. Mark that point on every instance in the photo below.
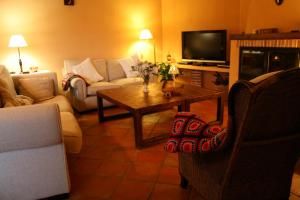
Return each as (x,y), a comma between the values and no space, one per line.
(69,2)
(278,2)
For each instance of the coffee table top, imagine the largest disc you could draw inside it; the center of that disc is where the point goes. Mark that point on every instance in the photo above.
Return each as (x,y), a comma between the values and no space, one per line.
(132,97)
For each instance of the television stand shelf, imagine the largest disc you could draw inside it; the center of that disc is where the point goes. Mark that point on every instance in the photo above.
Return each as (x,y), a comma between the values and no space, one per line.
(204,68)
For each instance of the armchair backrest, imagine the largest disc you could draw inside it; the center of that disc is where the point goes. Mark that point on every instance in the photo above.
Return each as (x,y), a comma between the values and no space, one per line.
(265,119)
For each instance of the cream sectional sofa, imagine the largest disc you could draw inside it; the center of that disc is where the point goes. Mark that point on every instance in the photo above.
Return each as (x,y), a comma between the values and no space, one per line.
(71,131)
(83,97)
(32,153)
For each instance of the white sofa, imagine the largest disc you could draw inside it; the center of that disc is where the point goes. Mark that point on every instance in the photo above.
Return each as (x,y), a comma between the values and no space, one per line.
(33,162)
(83,97)
(71,131)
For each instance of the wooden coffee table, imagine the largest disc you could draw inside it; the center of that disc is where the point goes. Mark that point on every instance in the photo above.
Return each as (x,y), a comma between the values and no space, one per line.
(133,99)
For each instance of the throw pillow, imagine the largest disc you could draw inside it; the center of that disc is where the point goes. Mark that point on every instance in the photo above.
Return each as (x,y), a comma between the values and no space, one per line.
(127,64)
(7,99)
(190,134)
(39,89)
(24,100)
(87,70)
(6,77)
(136,59)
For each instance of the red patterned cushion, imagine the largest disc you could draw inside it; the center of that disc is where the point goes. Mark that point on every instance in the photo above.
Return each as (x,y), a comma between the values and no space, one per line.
(172,145)
(188,145)
(179,124)
(194,127)
(190,134)
(212,131)
(216,140)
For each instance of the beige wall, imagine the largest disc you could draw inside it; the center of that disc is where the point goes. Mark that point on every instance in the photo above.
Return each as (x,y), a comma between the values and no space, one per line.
(266,14)
(91,28)
(179,15)
(110,28)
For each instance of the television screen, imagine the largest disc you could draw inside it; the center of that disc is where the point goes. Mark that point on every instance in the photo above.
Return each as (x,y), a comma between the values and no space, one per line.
(206,46)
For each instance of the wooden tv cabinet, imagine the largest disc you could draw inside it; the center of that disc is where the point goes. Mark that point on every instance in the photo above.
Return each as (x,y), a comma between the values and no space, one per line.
(204,68)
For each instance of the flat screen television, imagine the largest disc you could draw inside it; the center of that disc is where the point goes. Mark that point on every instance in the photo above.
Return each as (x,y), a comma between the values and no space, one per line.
(204,46)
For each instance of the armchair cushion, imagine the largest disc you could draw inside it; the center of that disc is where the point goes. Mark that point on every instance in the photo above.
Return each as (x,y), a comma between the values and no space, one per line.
(190,134)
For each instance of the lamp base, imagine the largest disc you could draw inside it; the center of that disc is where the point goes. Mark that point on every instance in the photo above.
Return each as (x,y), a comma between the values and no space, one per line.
(27,72)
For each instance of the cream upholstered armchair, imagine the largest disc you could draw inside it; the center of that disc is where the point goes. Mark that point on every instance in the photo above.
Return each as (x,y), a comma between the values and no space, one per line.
(32,154)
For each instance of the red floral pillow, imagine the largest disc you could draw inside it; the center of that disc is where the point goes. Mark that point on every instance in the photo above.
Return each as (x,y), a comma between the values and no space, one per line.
(190,134)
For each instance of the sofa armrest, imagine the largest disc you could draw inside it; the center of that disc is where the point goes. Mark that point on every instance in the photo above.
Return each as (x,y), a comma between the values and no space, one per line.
(78,88)
(29,127)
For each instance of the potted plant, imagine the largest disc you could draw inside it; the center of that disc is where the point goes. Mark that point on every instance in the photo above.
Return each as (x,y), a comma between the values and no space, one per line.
(221,81)
(168,73)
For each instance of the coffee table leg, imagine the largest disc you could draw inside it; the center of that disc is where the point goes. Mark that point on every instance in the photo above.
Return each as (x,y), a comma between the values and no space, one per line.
(138,129)
(184,107)
(179,108)
(220,110)
(187,106)
(100,109)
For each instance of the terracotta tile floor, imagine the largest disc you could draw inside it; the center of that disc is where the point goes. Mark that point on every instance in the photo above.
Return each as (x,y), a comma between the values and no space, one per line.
(109,166)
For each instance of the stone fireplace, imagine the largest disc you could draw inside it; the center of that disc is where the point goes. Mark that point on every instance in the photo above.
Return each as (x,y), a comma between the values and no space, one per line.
(253,55)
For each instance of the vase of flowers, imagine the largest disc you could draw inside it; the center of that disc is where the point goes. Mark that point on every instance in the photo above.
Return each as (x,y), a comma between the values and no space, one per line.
(145,71)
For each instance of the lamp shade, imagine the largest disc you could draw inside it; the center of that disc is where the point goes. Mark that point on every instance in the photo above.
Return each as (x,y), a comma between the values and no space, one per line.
(173,70)
(146,34)
(17,41)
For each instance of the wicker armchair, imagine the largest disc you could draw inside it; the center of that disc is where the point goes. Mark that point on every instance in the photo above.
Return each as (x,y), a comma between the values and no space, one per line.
(264,120)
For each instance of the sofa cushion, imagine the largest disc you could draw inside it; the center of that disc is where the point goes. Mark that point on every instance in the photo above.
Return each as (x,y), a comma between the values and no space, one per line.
(100,65)
(39,89)
(92,89)
(127,64)
(71,132)
(115,70)
(6,77)
(127,81)
(42,74)
(87,70)
(61,101)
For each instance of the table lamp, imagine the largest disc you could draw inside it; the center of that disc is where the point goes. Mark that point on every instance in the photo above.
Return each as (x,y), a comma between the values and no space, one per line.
(174,71)
(18,41)
(147,35)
